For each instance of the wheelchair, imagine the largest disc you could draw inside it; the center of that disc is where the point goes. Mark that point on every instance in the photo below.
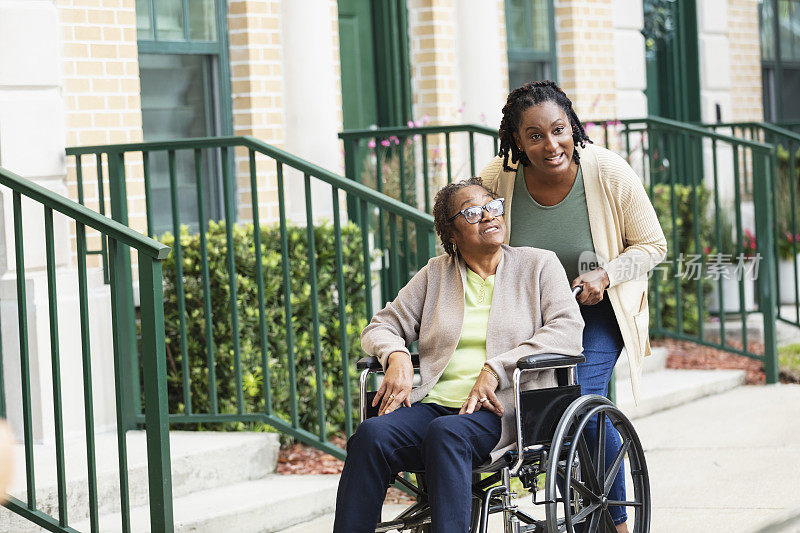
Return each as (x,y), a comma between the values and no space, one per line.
(551,440)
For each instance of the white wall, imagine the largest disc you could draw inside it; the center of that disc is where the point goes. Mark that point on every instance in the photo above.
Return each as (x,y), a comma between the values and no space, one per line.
(32,142)
(715,68)
(629,60)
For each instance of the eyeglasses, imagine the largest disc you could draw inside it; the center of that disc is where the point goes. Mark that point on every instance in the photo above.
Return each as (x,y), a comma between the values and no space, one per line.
(474,214)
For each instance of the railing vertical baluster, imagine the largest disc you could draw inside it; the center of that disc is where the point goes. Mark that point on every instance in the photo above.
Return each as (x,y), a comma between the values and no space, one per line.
(605,134)
(737,205)
(207,313)
(287,298)
(125,329)
(471,153)
(768,299)
(718,233)
(380,235)
(696,181)
(177,249)
(79,177)
(672,154)
(404,199)
(363,208)
(311,251)
(394,256)
(262,321)
(426,179)
(495,144)
(101,200)
(55,361)
(447,154)
(647,138)
(88,401)
(155,394)
(794,229)
(148,202)
(228,192)
(343,337)
(22,313)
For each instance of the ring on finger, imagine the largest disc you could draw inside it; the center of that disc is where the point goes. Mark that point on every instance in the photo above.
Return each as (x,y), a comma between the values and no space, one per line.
(391,396)
(484,399)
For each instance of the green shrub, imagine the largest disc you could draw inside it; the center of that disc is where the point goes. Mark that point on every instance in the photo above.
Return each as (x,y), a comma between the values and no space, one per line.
(683,225)
(248,317)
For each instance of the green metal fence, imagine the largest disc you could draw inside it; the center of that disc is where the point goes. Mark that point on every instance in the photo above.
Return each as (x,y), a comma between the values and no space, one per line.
(40,202)
(283,205)
(785,207)
(712,193)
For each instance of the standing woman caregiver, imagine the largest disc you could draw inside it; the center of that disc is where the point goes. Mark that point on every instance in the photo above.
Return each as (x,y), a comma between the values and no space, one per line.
(586,204)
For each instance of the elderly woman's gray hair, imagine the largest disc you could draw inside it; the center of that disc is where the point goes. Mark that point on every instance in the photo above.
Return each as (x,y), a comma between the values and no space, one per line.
(442,207)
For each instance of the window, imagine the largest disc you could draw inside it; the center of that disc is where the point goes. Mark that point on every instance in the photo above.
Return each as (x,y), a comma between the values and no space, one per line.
(185,91)
(530,33)
(780,58)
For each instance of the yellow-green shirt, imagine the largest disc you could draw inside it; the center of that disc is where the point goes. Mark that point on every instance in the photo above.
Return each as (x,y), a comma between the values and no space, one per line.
(461,372)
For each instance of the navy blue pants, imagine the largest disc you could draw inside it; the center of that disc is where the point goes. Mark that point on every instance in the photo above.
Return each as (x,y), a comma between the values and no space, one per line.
(602,344)
(424,437)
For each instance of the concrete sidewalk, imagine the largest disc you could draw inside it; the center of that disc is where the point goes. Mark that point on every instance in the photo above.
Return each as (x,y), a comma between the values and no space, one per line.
(726,463)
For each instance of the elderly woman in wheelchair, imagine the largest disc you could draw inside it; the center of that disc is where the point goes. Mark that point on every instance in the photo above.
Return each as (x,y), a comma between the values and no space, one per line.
(499,334)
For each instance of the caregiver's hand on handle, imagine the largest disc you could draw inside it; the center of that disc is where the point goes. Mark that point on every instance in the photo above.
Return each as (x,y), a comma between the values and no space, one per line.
(482,394)
(593,284)
(396,385)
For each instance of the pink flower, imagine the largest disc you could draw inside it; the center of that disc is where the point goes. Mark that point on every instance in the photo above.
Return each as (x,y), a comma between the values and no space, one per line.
(707,250)
(416,136)
(410,123)
(590,124)
(753,245)
(385,142)
(460,109)
(417,123)
(371,143)
(425,119)
(395,139)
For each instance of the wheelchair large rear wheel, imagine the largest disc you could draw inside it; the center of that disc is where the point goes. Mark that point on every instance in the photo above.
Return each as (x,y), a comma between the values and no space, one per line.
(589,476)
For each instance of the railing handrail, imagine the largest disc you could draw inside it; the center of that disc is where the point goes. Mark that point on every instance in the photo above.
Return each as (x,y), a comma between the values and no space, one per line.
(699,130)
(405,130)
(281,156)
(766,126)
(84,215)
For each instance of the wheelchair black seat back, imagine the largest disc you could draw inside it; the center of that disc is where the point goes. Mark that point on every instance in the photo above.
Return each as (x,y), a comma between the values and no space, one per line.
(551,437)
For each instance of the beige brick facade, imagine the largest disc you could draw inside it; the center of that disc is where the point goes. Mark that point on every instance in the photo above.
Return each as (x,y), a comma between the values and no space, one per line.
(585,52)
(100,68)
(745,60)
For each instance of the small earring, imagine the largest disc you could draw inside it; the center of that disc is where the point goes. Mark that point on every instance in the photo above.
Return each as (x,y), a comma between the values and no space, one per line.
(455,248)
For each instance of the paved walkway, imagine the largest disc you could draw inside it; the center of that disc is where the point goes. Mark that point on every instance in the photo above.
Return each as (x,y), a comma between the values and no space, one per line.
(727,463)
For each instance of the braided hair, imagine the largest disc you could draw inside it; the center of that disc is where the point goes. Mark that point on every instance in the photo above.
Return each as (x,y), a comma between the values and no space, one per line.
(522,98)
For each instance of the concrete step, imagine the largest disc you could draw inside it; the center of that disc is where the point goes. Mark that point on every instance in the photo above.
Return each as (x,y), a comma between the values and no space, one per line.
(668,388)
(786,332)
(259,506)
(200,460)
(656,362)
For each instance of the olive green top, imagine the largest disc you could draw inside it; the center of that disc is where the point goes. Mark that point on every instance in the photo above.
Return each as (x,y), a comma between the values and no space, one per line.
(462,371)
(562,228)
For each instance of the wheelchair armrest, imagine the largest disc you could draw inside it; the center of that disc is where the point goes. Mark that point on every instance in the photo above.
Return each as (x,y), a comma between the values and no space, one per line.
(371,362)
(545,361)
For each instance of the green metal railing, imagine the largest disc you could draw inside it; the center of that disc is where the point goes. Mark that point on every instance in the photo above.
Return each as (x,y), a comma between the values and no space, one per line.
(120,241)
(785,207)
(296,190)
(698,181)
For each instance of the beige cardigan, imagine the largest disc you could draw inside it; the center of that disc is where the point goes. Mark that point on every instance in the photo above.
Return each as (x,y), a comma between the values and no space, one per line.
(628,239)
(532,312)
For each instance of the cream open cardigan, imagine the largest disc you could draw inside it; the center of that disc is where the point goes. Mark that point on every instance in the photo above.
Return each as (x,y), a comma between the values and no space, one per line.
(628,239)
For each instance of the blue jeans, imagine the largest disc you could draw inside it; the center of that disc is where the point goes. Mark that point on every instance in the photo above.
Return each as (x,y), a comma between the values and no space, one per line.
(424,437)
(602,344)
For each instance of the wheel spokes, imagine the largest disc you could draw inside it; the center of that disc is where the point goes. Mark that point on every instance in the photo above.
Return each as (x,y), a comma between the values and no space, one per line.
(611,474)
(586,511)
(600,450)
(624,503)
(588,466)
(608,522)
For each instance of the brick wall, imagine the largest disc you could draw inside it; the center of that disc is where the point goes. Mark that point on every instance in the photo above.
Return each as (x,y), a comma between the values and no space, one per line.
(256,70)
(100,70)
(745,60)
(586,58)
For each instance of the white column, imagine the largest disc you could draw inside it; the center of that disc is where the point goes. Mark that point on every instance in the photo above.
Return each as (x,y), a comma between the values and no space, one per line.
(312,112)
(32,145)
(629,60)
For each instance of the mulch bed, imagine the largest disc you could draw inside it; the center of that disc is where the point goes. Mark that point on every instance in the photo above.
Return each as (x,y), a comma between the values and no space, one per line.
(299,459)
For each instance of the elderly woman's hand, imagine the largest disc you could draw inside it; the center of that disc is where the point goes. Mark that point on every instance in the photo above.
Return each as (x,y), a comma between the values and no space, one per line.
(397,382)
(482,395)
(594,285)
